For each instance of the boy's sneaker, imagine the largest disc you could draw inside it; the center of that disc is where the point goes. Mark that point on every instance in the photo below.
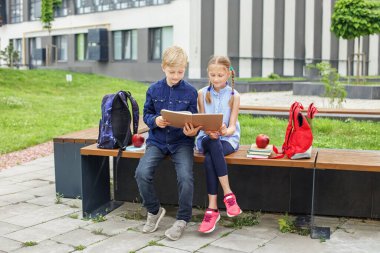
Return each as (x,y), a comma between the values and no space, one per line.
(176,231)
(209,221)
(232,207)
(153,220)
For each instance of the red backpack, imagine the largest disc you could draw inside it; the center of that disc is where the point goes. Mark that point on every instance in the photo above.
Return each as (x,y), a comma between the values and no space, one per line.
(298,137)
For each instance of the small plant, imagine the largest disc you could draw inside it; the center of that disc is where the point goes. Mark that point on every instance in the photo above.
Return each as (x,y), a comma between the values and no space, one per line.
(10,55)
(135,214)
(286,225)
(29,243)
(98,218)
(273,76)
(154,243)
(244,220)
(58,198)
(334,90)
(73,216)
(73,205)
(98,231)
(79,247)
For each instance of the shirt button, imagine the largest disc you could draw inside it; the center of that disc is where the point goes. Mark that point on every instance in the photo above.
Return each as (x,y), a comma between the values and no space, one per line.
(168,131)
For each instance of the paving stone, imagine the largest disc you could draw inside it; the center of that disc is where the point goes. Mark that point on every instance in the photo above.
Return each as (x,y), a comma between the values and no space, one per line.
(17,197)
(47,246)
(40,215)
(48,190)
(124,242)
(30,234)
(3,203)
(192,240)
(43,201)
(292,243)
(9,189)
(26,177)
(63,225)
(8,245)
(33,183)
(114,225)
(160,249)
(7,212)
(215,249)
(6,228)
(79,237)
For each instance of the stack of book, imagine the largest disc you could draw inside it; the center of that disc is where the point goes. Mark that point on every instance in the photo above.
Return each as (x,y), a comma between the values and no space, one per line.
(255,152)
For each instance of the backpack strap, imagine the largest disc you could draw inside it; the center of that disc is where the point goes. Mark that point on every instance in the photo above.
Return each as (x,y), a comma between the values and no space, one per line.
(135,109)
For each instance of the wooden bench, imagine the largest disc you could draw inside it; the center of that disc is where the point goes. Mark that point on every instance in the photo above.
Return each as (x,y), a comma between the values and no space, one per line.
(67,158)
(275,185)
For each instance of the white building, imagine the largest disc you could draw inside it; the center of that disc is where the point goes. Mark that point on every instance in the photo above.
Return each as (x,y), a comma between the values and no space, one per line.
(125,38)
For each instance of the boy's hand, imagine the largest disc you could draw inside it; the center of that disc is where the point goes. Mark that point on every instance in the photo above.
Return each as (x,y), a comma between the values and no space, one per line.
(161,122)
(190,130)
(213,134)
(223,130)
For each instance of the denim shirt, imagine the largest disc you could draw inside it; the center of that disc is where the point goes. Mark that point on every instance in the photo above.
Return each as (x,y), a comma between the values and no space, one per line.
(179,97)
(219,104)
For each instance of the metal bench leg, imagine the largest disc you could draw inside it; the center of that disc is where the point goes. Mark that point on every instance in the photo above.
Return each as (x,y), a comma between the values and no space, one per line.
(96,192)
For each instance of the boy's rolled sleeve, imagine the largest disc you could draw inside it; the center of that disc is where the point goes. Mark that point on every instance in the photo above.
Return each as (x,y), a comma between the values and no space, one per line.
(150,113)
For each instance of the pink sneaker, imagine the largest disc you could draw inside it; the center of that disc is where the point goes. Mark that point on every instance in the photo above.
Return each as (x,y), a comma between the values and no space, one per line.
(209,221)
(233,208)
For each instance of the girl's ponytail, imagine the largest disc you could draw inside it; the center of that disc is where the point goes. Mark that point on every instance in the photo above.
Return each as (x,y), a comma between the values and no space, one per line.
(231,101)
(208,94)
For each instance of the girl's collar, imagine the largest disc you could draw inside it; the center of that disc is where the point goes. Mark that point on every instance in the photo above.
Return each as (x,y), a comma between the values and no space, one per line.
(226,88)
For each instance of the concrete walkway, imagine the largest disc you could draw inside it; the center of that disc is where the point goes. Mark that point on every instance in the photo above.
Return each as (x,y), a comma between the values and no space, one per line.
(29,213)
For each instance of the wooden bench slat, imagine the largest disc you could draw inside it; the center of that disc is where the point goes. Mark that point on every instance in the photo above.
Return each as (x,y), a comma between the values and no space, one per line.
(238,157)
(320,110)
(356,160)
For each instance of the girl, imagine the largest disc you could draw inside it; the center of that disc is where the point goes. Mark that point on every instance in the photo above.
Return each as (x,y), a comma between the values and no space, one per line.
(219,97)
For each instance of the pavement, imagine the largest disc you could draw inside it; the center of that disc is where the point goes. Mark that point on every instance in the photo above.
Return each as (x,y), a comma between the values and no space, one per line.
(30,214)
(34,219)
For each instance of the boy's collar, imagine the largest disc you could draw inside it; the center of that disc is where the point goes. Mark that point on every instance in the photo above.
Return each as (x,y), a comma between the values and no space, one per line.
(174,85)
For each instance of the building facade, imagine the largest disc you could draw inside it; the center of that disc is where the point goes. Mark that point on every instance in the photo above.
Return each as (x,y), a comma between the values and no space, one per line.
(126,38)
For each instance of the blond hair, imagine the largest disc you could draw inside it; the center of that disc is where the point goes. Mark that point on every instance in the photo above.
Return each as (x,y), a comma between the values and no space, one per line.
(225,61)
(174,56)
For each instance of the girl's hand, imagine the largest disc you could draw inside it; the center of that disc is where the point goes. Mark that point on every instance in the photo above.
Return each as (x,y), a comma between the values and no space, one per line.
(213,134)
(223,130)
(190,130)
(161,122)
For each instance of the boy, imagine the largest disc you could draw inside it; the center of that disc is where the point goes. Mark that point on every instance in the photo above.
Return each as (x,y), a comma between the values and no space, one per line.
(174,94)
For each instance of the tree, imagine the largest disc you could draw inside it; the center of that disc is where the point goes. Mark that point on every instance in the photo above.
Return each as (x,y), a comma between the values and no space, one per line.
(9,55)
(355,18)
(47,12)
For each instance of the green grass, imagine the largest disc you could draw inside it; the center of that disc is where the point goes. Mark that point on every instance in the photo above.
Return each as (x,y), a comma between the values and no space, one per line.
(328,133)
(37,105)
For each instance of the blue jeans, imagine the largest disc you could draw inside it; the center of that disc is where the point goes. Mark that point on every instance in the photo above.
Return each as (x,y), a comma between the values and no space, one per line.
(215,164)
(183,161)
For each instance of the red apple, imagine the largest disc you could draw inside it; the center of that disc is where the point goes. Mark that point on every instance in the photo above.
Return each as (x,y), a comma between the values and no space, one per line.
(262,140)
(137,140)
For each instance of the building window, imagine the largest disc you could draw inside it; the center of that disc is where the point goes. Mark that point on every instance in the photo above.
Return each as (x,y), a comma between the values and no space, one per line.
(16,11)
(88,6)
(62,10)
(160,39)
(81,47)
(125,45)
(61,47)
(35,46)
(34,9)
(17,46)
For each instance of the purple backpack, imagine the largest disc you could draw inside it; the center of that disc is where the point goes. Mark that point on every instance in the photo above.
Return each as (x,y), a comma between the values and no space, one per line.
(115,124)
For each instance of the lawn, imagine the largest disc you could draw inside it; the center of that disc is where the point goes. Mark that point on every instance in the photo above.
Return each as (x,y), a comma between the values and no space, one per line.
(38,105)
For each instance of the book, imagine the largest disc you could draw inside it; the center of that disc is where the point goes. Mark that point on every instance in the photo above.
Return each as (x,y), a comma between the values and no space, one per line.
(208,121)
(262,153)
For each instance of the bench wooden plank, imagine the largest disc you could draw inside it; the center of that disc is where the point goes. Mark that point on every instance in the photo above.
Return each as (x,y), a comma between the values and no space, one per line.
(321,110)
(238,157)
(90,135)
(356,160)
